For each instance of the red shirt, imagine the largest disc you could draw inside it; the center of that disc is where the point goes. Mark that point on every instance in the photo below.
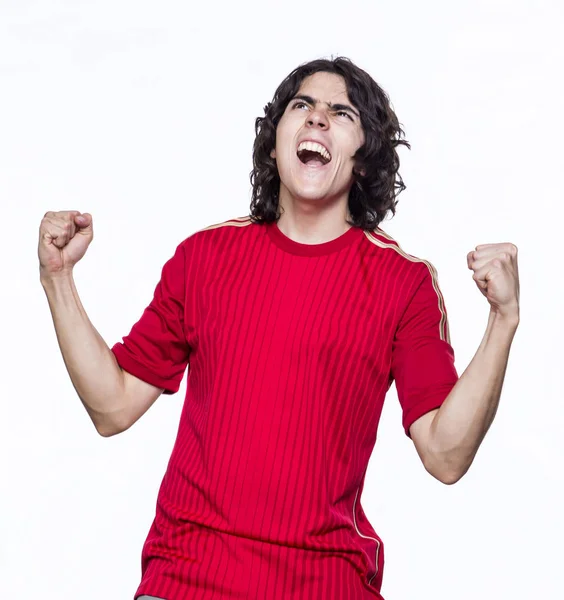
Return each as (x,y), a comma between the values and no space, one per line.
(291,349)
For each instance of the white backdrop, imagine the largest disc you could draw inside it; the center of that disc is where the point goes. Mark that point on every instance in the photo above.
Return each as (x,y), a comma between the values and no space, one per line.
(142,113)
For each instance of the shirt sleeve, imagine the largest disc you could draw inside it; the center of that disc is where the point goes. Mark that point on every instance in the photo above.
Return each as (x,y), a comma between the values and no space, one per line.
(156,350)
(422,357)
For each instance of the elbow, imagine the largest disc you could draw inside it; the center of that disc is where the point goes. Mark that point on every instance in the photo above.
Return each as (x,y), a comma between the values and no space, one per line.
(448,477)
(447,471)
(107,427)
(106,431)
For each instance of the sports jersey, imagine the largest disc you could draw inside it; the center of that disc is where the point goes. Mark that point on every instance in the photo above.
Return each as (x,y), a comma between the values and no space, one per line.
(290,350)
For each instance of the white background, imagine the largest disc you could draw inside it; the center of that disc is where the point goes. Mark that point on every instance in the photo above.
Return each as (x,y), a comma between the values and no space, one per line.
(142,113)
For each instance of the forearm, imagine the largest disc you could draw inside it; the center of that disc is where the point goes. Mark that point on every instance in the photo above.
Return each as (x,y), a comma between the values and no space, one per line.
(461,423)
(92,366)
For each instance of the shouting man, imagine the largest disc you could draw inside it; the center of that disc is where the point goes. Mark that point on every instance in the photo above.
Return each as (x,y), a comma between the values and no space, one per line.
(294,321)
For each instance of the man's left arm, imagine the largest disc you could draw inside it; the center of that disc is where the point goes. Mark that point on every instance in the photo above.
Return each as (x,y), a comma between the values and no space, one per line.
(448,438)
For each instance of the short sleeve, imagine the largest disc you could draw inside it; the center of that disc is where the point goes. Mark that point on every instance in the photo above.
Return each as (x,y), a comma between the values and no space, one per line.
(156,350)
(422,357)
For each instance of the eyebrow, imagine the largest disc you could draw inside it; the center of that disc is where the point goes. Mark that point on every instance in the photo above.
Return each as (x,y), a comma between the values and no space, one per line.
(314,101)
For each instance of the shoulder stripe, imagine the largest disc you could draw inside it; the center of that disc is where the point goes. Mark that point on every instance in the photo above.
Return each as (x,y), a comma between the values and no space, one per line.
(235,222)
(444,328)
(382,233)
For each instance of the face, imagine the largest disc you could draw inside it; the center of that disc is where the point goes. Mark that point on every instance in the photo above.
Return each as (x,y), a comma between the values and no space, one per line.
(322,113)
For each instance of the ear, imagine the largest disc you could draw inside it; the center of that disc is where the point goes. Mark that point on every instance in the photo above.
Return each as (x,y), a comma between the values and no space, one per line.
(361,172)
(273,153)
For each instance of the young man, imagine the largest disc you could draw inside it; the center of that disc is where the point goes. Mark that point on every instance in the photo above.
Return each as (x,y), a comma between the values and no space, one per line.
(294,322)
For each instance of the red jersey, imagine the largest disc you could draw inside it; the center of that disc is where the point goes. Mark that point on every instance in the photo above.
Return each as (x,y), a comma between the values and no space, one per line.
(291,349)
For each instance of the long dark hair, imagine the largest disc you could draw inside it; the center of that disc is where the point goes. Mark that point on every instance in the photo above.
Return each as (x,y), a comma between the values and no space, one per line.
(373,194)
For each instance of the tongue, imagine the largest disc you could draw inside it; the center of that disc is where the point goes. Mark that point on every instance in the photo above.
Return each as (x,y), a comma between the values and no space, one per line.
(311,158)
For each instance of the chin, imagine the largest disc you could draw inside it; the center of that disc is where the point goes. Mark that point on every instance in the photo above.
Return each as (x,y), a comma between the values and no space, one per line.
(309,190)
(313,188)
(316,192)
(310,193)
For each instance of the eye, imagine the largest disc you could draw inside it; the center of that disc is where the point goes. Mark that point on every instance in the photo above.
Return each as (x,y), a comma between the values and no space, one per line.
(297,104)
(344,112)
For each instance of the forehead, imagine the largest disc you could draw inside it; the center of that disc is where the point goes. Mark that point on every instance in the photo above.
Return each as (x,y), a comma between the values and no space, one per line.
(326,87)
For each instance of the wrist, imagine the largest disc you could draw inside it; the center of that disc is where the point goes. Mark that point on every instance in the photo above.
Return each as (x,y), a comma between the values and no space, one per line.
(508,318)
(51,279)
(502,326)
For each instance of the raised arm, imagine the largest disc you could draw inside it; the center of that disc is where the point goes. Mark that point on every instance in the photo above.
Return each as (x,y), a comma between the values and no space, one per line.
(113,398)
(447,439)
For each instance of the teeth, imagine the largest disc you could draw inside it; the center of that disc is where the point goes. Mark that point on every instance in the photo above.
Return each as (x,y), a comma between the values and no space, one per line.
(315,147)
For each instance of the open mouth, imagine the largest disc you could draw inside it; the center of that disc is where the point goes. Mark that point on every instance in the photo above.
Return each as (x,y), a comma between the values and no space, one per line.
(313,154)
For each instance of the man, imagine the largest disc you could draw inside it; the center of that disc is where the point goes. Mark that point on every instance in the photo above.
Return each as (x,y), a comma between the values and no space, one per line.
(294,322)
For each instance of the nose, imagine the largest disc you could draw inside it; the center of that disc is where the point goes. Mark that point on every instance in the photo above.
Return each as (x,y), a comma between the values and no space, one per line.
(317,118)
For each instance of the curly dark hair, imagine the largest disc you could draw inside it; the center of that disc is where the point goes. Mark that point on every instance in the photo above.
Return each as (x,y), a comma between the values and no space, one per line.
(373,193)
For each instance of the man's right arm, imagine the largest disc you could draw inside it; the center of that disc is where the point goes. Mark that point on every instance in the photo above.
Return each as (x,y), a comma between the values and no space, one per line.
(113,398)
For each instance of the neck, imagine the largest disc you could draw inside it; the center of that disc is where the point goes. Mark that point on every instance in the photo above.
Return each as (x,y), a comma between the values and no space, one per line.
(309,223)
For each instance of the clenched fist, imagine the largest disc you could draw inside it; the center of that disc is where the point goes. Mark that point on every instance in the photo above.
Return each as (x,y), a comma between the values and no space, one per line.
(497,276)
(64,237)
